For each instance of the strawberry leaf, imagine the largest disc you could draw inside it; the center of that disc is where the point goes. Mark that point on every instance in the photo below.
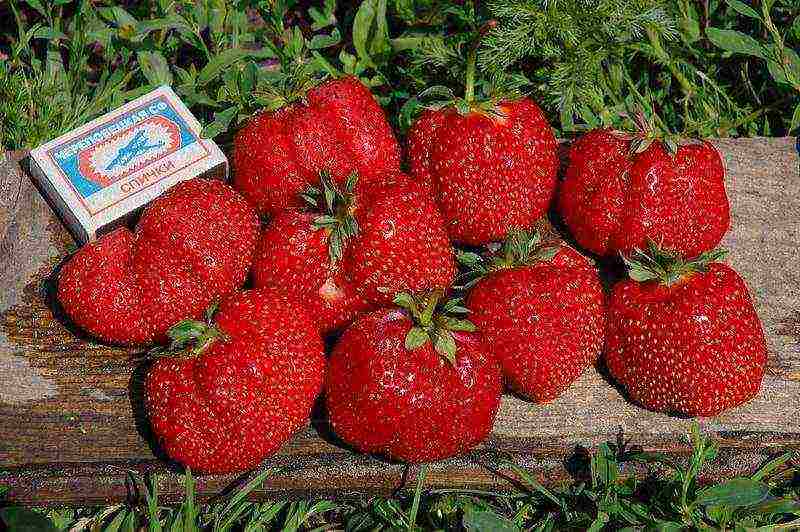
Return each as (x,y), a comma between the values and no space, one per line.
(416,338)
(445,345)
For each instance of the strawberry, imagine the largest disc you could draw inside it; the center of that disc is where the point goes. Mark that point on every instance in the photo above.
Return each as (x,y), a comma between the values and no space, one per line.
(338,127)
(191,245)
(490,169)
(413,383)
(365,243)
(621,190)
(541,309)
(683,337)
(237,389)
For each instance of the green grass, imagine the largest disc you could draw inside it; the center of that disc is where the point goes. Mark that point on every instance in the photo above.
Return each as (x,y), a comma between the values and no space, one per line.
(706,67)
(604,495)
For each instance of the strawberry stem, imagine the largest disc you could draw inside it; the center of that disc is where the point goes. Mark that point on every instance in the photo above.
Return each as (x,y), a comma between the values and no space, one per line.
(337,211)
(521,248)
(195,333)
(434,321)
(469,92)
(665,266)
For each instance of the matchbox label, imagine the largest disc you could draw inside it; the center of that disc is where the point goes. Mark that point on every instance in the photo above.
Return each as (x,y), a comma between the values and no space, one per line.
(133,151)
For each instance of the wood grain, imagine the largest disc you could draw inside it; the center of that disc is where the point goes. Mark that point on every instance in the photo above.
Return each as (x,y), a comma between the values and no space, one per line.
(72,428)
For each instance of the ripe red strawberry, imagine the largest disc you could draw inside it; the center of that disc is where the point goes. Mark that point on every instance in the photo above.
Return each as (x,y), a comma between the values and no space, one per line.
(683,337)
(366,243)
(490,170)
(192,245)
(415,385)
(338,127)
(542,311)
(622,190)
(246,386)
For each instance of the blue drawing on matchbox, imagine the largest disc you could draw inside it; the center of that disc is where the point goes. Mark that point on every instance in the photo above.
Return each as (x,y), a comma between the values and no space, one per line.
(121,147)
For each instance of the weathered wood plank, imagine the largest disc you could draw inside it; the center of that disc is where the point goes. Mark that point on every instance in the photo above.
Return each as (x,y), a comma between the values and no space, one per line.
(71,424)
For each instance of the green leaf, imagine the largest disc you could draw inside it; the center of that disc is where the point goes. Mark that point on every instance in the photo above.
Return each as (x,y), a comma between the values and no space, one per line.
(405,10)
(324,18)
(51,34)
(599,522)
(469,259)
(222,120)
(412,512)
(405,300)
(779,73)
(455,324)
(155,68)
(172,22)
(795,119)
(445,345)
(37,5)
(430,307)
(734,493)
(483,520)
(23,520)
(604,465)
(744,9)
(771,466)
(777,506)
(736,42)
(123,18)
(325,41)
(667,526)
(416,338)
(225,59)
(380,46)
(236,504)
(362,23)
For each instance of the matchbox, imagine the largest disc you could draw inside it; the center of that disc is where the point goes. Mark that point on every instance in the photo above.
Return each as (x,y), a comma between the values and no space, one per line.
(96,176)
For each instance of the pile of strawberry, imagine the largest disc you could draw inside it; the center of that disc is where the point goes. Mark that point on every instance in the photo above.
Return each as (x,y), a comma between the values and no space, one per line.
(352,248)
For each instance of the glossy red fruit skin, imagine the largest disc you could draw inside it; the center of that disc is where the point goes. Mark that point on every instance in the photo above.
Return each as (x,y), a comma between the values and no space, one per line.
(235,404)
(293,256)
(191,245)
(488,173)
(401,245)
(339,128)
(412,406)
(613,202)
(696,348)
(544,322)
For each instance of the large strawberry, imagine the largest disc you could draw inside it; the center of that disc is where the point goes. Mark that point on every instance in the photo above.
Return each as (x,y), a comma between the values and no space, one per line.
(621,190)
(414,384)
(234,391)
(541,309)
(491,167)
(360,244)
(192,245)
(683,337)
(338,127)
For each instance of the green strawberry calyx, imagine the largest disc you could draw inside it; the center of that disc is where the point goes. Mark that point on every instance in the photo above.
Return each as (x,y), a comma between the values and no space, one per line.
(191,337)
(440,97)
(435,320)
(665,266)
(336,207)
(520,248)
(646,134)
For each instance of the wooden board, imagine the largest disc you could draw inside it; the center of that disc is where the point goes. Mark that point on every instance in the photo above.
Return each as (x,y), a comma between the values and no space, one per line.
(72,427)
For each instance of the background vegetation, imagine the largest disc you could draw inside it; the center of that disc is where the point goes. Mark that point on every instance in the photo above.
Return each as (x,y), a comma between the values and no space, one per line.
(705,67)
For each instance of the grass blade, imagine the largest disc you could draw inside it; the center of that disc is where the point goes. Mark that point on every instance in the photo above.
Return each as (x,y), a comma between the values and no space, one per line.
(412,514)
